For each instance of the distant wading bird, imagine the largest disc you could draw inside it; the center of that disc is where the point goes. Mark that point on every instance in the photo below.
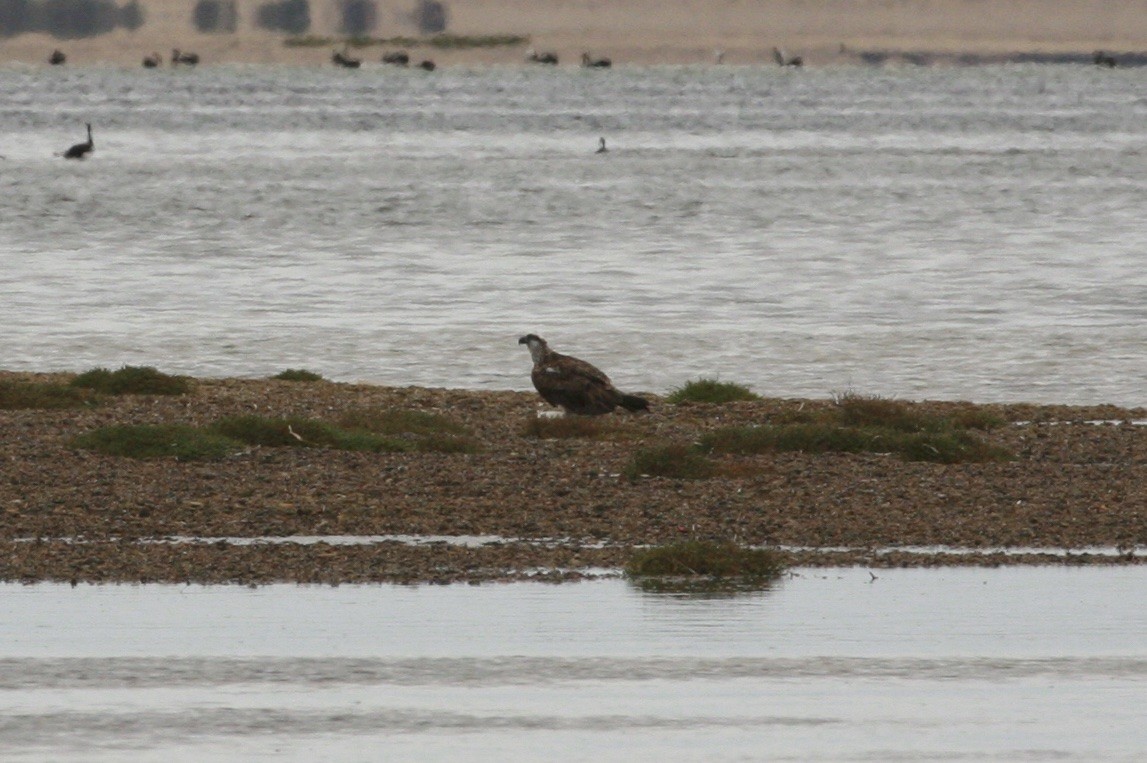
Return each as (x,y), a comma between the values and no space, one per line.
(1106,60)
(595,63)
(152,61)
(343,59)
(179,57)
(574,385)
(601,149)
(782,60)
(535,57)
(80,150)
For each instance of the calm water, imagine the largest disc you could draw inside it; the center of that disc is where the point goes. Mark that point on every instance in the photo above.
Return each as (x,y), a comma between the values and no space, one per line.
(959,664)
(965,233)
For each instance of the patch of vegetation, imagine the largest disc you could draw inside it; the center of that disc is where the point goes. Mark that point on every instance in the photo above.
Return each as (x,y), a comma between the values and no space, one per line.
(178,441)
(865,424)
(711,391)
(429,432)
(459,41)
(400,421)
(704,566)
(947,446)
(871,410)
(298,374)
(309,41)
(853,410)
(35,395)
(132,380)
(976,417)
(675,460)
(440,41)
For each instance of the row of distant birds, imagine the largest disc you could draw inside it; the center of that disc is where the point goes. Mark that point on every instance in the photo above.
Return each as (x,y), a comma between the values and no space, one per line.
(178,58)
(402,58)
(342,58)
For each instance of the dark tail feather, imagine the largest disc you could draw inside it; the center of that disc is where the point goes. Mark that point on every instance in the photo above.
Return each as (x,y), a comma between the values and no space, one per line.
(634,403)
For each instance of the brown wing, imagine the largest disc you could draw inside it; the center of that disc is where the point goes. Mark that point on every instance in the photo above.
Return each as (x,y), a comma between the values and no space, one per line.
(575,385)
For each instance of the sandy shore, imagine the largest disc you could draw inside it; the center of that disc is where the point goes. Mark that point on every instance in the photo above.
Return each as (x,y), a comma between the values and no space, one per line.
(649,31)
(72,514)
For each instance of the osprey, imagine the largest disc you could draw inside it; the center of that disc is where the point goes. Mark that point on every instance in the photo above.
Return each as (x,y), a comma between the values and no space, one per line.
(573,384)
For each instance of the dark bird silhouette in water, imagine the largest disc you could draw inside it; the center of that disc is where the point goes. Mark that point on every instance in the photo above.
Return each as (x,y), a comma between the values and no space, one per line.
(550,59)
(1105,60)
(343,59)
(428,66)
(152,61)
(595,63)
(81,150)
(57,57)
(179,57)
(601,149)
(399,58)
(574,385)
(782,60)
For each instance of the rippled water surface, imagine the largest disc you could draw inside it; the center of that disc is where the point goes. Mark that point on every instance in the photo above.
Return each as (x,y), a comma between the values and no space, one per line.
(962,233)
(957,664)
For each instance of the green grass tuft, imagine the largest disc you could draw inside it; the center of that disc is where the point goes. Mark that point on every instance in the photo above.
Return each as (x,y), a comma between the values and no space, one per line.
(950,447)
(675,461)
(400,421)
(34,395)
(427,432)
(711,391)
(700,558)
(869,410)
(976,417)
(853,410)
(177,441)
(298,375)
(945,446)
(132,380)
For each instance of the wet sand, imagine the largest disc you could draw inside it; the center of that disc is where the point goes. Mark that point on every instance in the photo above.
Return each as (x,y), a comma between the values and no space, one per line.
(74,515)
(648,31)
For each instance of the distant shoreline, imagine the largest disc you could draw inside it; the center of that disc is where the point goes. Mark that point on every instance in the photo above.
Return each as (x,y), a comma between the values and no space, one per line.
(652,32)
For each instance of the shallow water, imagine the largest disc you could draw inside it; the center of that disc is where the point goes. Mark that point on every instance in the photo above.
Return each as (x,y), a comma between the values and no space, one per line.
(946,233)
(955,664)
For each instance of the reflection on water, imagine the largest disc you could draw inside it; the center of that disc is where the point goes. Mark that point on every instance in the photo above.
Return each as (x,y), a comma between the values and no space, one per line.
(1015,663)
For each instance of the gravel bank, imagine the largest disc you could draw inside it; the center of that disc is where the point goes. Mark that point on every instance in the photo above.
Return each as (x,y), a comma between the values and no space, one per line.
(557,504)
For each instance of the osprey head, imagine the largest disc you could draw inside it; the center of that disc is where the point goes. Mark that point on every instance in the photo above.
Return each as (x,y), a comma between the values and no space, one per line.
(536,344)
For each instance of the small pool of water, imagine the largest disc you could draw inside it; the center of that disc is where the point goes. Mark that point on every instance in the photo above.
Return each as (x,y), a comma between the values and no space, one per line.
(1021,663)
